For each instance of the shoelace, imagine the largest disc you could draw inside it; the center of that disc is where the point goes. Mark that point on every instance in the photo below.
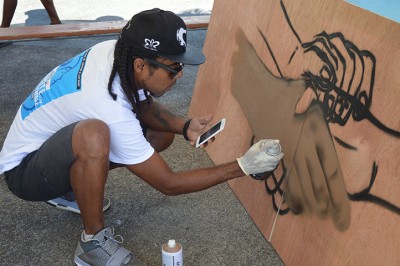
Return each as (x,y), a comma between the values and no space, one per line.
(111,242)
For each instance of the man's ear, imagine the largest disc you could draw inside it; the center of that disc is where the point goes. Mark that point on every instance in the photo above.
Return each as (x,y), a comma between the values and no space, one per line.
(138,65)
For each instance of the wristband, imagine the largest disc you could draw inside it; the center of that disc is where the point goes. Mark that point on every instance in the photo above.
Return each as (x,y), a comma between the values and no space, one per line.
(185,129)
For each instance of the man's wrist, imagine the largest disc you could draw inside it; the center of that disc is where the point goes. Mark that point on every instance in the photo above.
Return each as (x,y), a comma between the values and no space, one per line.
(185,129)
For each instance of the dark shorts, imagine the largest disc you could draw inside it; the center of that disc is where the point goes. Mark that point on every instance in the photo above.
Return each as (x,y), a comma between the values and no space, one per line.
(44,174)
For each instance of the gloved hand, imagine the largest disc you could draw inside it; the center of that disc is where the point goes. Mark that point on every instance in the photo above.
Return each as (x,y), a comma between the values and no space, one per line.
(257,160)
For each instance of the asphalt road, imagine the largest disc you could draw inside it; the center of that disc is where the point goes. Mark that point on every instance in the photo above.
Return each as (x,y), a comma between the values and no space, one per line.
(32,12)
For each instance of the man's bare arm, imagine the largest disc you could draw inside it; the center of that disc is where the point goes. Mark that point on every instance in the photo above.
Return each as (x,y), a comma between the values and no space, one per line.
(157,173)
(159,117)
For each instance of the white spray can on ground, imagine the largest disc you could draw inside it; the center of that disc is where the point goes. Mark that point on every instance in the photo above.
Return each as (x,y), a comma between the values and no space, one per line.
(172,254)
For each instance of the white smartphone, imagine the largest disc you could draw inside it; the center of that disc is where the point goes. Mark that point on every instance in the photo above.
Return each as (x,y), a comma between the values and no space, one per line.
(214,130)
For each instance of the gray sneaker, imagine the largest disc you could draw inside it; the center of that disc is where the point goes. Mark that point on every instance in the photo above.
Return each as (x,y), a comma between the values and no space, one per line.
(68,203)
(104,249)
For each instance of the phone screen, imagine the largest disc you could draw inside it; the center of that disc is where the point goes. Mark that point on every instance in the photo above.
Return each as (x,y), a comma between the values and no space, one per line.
(210,132)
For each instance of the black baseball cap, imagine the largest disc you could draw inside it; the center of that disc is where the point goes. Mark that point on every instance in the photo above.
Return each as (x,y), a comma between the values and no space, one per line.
(161,33)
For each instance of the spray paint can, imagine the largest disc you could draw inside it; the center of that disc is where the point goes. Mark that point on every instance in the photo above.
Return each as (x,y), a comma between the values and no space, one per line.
(172,254)
(274,150)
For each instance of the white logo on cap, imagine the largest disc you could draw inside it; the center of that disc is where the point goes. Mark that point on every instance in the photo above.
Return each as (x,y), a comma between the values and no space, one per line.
(151,44)
(179,36)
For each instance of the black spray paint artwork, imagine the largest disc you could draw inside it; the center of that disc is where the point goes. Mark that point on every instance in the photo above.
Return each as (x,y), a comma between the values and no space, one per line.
(343,89)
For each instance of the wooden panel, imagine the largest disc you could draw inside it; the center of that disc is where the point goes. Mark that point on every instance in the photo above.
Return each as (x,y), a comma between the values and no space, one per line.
(81,29)
(321,76)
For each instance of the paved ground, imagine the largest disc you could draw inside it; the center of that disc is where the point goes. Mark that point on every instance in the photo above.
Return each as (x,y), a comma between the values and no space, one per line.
(32,12)
(212,225)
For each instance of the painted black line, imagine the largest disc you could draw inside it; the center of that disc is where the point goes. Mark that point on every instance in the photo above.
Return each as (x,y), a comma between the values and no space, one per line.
(290,23)
(344,144)
(291,57)
(272,54)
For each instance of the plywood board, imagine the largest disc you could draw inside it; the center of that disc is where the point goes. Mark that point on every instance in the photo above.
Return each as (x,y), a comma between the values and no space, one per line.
(321,76)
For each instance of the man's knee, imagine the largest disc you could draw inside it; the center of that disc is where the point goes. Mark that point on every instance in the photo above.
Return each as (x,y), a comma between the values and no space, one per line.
(92,137)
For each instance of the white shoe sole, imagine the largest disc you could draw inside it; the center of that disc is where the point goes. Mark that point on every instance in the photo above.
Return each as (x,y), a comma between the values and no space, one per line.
(80,262)
(72,206)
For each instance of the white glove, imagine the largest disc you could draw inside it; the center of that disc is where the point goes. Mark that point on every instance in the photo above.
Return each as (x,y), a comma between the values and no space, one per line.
(257,160)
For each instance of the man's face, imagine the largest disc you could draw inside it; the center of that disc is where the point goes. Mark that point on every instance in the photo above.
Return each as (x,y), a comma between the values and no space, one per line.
(157,77)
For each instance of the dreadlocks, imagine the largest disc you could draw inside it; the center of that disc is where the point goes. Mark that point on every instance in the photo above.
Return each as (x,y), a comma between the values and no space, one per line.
(123,56)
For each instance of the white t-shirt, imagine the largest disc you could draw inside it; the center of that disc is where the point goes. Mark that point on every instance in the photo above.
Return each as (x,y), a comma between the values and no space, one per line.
(74,91)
